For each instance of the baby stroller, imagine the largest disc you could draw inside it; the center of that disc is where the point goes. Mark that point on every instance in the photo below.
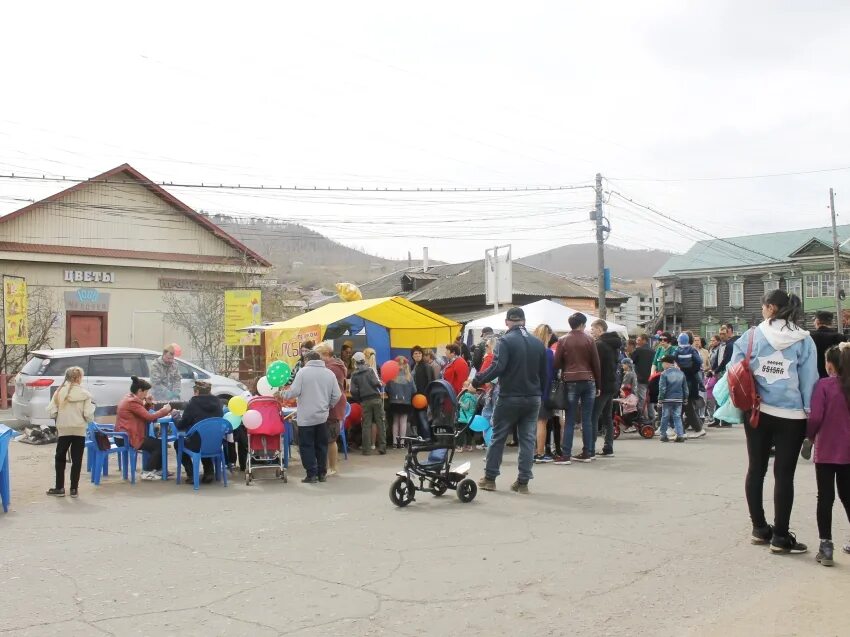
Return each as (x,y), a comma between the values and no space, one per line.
(264,443)
(437,437)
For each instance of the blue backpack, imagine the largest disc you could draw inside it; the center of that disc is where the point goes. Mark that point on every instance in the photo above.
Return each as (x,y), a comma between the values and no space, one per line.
(685,360)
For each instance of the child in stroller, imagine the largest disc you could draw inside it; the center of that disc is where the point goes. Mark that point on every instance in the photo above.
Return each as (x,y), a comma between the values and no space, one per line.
(438,438)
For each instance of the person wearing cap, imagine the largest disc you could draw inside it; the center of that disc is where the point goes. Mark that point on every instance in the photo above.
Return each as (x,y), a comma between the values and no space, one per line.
(201,406)
(366,389)
(481,349)
(689,362)
(520,364)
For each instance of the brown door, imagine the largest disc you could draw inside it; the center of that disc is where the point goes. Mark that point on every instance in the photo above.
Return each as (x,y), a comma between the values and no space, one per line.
(86,329)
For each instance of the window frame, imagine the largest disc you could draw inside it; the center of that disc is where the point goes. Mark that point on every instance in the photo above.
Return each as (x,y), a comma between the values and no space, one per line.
(812,281)
(736,285)
(709,291)
(794,285)
(137,358)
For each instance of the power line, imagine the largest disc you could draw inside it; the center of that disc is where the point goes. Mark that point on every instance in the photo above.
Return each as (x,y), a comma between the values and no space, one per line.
(737,177)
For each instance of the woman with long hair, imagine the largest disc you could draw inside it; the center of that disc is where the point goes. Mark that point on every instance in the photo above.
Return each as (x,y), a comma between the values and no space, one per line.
(72,408)
(400,392)
(544,334)
(784,366)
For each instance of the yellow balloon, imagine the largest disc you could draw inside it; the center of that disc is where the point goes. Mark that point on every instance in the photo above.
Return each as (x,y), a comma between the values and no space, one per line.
(348,292)
(237,406)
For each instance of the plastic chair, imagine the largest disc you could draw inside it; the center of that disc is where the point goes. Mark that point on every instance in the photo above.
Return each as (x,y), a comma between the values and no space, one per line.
(101,456)
(342,433)
(90,449)
(211,431)
(6,435)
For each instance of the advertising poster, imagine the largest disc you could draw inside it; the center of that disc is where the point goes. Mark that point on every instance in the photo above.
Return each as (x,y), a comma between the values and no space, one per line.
(285,345)
(241,309)
(15,325)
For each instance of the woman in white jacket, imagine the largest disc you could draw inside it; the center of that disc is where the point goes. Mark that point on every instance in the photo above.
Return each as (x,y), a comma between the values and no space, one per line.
(73,409)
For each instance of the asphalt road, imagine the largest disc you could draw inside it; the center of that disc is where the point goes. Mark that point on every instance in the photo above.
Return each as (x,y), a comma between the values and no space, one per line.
(652,542)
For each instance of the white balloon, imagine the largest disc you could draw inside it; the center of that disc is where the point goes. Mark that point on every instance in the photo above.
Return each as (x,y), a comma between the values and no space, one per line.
(264,388)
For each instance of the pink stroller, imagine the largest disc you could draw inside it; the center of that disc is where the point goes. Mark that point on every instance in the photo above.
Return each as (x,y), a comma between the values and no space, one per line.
(265,449)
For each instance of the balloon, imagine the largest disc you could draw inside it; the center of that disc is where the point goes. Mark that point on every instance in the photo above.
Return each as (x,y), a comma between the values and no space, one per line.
(178,351)
(479,423)
(237,405)
(264,388)
(348,292)
(278,373)
(488,436)
(389,372)
(252,419)
(419,401)
(355,416)
(233,419)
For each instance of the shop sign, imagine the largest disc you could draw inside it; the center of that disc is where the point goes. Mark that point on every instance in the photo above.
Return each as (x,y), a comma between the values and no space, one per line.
(242,308)
(192,285)
(87,300)
(89,276)
(15,322)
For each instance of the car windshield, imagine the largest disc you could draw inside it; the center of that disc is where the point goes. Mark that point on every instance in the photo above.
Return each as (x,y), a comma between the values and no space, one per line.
(35,366)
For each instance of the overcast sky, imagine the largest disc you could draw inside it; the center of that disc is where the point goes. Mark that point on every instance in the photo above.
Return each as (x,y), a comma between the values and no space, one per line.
(445,94)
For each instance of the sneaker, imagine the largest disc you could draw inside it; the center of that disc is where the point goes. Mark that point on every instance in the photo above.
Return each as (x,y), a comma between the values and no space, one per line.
(382,452)
(310,480)
(562,460)
(59,493)
(547,458)
(583,457)
(538,458)
(323,478)
(149,475)
(74,493)
(630,430)
(605,453)
(487,484)
(846,548)
(520,487)
(806,451)
(787,544)
(332,472)
(664,439)
(824,555)
(459,450)
(680,439)
(761,535)
(697,434)
(481,447)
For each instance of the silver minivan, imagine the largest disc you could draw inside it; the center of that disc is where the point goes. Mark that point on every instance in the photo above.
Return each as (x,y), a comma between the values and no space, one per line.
(107,377)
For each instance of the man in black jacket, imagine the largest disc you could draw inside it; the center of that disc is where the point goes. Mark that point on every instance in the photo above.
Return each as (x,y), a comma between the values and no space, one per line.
(520,364)
(481,349)
(608,346)
(825,336)
(727,344)
(203,405)
(642,357)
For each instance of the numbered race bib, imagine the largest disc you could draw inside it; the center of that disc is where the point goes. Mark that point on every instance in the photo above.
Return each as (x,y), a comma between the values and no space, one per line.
(773,368)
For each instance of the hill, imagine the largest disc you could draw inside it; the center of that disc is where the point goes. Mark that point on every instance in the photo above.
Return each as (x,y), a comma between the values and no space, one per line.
(580,260)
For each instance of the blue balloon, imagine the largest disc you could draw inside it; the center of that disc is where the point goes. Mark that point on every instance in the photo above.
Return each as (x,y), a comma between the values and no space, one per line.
(479,423)
(488,436)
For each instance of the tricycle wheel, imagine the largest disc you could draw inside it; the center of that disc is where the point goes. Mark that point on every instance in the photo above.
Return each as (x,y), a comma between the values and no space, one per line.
(401,492)
(467,490)
(438,488)
(647,431)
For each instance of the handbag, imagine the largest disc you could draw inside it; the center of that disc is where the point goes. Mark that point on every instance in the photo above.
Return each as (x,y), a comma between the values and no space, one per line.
(102,441)
(742,385)
(556,399)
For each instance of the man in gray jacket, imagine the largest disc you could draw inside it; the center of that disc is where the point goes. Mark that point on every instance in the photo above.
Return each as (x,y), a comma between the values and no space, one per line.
(317,391)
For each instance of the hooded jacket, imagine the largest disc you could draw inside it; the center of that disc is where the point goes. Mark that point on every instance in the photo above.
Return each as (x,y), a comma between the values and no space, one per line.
(365,383)
(317,390)
(784,366)
(690,362)
(829,423)
(608,346)
(200,408)
(340,371)
(73,410)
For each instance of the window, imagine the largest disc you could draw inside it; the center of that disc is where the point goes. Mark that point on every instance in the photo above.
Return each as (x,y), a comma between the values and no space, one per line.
(736,294)
(794,286)
(844,282)
(770,285)
(827,284)
(672,294)
(812,286)
(117,366)
(191,373)
(709,295)
(57,366)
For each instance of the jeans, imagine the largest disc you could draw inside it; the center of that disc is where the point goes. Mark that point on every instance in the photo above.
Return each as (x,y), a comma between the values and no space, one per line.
(603,420)
(583,391)
(828,476)
(313,448)
(646,408)
(671,416)
(510,411)
(786,436)
(76,444)
(373,413)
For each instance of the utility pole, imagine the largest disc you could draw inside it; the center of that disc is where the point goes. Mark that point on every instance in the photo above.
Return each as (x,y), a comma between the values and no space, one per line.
(837,265)
(600,247)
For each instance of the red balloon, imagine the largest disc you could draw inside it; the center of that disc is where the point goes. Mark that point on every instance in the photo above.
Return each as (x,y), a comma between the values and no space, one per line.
(178,351)
(389,371)
(355,416)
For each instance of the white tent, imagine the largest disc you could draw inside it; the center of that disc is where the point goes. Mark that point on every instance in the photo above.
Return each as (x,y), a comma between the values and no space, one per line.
(545,311)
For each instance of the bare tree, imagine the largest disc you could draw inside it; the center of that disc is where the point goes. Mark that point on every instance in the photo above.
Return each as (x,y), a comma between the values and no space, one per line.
(43,316)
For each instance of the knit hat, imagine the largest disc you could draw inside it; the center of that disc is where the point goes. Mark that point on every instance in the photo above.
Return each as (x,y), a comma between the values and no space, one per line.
(359,357)
(684,340)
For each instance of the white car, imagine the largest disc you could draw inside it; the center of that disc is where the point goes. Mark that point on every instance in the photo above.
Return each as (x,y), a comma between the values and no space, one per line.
(107,376)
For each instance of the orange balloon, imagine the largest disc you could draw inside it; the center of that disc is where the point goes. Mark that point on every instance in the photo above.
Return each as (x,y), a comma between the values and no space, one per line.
(419,401)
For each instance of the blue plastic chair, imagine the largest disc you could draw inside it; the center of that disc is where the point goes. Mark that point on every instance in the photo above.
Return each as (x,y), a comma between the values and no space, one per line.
(101,456)
(6,435)
(212,432)
(91,447)
(342,430)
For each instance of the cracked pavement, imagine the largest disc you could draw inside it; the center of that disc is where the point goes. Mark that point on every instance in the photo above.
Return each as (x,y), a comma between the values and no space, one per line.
(652,542)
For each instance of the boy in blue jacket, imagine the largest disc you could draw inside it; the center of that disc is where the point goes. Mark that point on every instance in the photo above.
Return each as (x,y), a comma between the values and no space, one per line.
(672,395)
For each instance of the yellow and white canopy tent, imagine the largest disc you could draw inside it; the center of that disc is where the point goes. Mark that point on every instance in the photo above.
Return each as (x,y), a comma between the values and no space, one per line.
(392,326)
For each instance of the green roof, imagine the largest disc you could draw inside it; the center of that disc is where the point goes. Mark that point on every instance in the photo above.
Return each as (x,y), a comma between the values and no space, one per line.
(752,250)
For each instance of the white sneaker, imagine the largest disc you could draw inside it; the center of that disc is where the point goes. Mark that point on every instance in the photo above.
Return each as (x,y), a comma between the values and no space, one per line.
(149,475)
(332,472)
(697,434)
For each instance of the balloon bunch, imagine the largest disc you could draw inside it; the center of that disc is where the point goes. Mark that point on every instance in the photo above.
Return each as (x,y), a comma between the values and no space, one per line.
(277,375)
(239,414)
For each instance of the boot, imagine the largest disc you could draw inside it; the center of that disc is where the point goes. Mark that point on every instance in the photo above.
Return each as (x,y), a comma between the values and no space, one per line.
(824,555)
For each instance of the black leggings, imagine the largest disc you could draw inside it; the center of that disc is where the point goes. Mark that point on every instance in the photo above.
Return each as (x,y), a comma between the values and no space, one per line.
(787,436)
(828,476)
(77,444)
(553,435)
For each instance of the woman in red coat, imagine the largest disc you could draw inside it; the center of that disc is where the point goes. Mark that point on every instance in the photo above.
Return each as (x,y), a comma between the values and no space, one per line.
(456,370)
(133,418)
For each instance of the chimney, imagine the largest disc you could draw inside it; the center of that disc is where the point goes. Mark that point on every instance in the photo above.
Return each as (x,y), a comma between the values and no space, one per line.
(409,260)
(425,259)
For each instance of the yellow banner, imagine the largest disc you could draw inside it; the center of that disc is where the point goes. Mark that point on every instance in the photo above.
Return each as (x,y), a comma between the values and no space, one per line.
(242,308)
(15,324)
(285,345)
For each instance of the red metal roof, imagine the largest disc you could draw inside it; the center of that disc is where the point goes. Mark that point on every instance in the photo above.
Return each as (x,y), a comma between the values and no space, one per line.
(160,192)
(40,248)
